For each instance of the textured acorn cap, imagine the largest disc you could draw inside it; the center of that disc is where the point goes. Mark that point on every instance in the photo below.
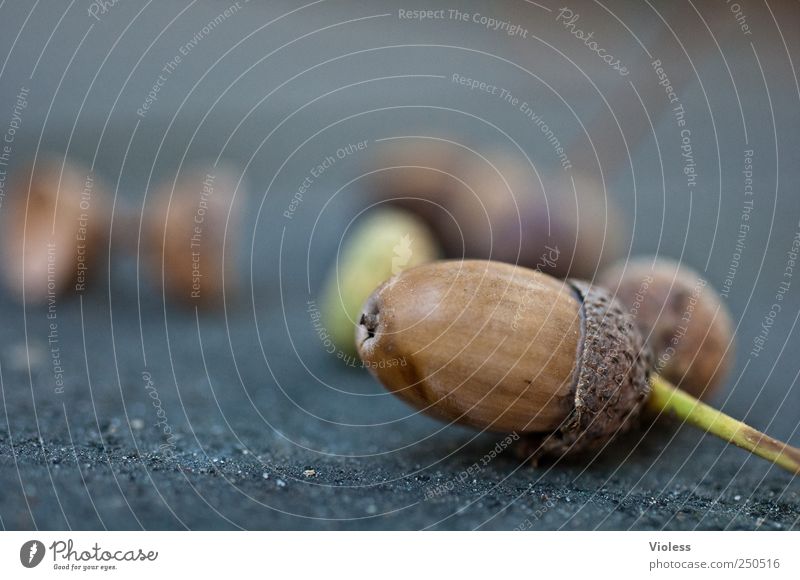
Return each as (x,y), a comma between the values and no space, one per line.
(681,317)
(505,348)
(612,379)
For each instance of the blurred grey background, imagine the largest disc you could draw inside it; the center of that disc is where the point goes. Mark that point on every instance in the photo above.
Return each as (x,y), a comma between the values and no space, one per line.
(252,396)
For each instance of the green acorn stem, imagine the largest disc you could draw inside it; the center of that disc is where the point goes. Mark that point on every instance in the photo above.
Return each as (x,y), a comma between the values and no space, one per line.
(664,398)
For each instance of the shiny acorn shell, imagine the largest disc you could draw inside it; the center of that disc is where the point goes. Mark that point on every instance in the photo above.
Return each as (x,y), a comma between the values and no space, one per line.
(508,349)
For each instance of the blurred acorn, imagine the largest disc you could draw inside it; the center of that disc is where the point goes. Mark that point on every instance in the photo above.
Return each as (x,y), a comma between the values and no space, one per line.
(187,237)
(682,319)
(56,223)
(512,215)
(414,174)
(386,242)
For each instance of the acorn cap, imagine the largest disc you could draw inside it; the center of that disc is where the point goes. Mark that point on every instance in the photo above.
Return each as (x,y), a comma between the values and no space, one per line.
(613,376)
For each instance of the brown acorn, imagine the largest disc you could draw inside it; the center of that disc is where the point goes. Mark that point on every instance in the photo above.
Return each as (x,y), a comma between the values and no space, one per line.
(507,349)
(504,348)
(56,223)
(512,214)
(415,174)
(682,319)
(189,235)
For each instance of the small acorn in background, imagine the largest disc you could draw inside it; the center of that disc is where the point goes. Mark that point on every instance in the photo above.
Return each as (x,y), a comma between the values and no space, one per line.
(384,242)
(512,214)
(496,215)
(598,233)
(190,235)
(681,317)
(415,174)
(56,223)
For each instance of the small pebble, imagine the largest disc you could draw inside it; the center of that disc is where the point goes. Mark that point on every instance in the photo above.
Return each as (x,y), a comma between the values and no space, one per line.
(281,483)
(265,475)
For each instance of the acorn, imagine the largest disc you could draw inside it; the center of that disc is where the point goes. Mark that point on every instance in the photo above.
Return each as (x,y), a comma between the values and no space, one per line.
(681,317)
(415,174)
(512,214)
(189,244)
(385,242)
(505,348)
(57,222)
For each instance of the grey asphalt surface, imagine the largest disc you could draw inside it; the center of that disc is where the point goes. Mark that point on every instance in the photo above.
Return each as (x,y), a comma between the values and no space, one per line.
(270,430)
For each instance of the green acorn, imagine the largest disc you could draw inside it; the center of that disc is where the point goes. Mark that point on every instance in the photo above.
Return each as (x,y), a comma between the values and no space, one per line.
(386,242)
